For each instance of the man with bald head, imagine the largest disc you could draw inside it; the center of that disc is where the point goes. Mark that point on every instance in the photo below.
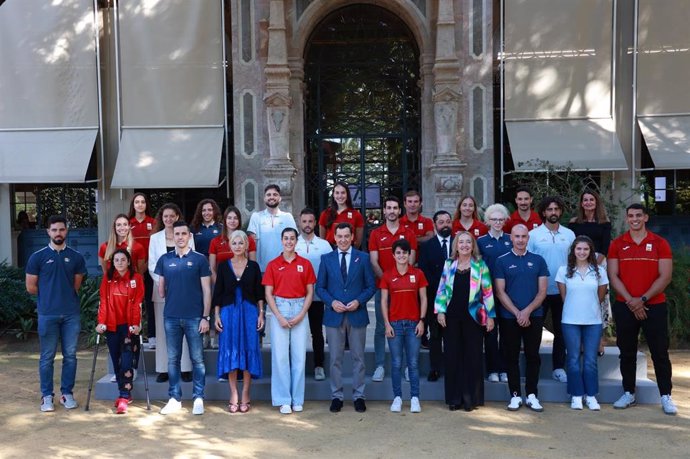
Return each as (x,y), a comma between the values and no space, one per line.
(521,279)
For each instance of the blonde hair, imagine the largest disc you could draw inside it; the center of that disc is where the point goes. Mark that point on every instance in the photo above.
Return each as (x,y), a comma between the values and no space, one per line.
(493,208)
(112,245)
(475,248)
(239,234)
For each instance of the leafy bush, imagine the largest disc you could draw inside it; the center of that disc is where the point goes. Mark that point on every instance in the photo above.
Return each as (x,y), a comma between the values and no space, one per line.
(89,299)
(17,307)
(678,298)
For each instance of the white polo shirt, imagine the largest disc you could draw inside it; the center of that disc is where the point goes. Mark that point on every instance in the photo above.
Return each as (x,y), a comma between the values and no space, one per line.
(267,228)
(581,305)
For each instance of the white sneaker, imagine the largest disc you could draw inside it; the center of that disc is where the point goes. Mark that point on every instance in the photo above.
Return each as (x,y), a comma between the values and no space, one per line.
(493,377)
(173,406)
(626,400)
(396,406)
(515,403)
(503,377)
(379,374)
(576,403)
(113,379)
(560,375)
(134,375)
(47,404)
(151,344)
(319,374)
(407,374)
(285,409)
(533,403)
(198,407)
(668,405)
(68,401)
(593,404)
(415,407)
(297,408)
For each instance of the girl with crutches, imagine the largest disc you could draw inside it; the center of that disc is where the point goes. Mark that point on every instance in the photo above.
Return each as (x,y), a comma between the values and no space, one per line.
(119,317)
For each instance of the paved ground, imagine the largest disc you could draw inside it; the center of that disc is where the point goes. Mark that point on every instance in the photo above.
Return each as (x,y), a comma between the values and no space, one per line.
(490,431)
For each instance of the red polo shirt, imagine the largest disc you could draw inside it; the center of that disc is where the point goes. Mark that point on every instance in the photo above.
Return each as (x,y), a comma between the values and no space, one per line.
(403,293)
(136,254)
(351,216)
(220,247)
(533,221)
(477,229)
(638,264)
(141,231)
(419,227)
(289,278)
(381,240)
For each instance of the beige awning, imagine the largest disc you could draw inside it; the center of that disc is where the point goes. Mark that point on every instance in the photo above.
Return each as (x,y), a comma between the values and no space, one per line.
(169,158)
(46,156)
(589,144)
(668,140)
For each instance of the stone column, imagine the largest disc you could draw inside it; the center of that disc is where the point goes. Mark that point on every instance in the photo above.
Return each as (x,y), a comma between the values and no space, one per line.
(278,168)
(447,167)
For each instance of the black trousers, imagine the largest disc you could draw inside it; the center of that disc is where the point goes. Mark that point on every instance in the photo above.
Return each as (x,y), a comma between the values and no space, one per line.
(655,329)
(316,328)
(554,303)
(434,341)
(492,356)
(512,336)
(463,358)
(148,309)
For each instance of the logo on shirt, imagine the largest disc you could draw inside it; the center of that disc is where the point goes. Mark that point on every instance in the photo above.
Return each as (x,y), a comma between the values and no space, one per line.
(420,226)
(300,268)
(402,236)
(413,279)
(172,264)
(488,246)
(215,231)
(67,259)
(530,264)
(506,243)
(133,283)
(384,238)
(50,261)
(534,225)
(626,247)
(512,266)
(476,232)
(149,226)
(349,215)
(189,263)
(648,248)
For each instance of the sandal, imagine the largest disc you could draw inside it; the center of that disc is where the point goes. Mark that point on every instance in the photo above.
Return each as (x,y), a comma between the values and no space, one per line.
(233,407)
(245,407)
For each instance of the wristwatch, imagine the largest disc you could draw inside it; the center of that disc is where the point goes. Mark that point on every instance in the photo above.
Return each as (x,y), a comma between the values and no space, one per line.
(208,318)
(644,298)
(422,319)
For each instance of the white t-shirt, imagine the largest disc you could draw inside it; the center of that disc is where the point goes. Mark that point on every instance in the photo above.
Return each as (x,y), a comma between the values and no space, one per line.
(581,305)
(267,228)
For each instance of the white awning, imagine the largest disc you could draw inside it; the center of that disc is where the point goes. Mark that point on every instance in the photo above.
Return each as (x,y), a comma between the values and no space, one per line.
(45,156)
(579,144)
(169,158)
(668,140)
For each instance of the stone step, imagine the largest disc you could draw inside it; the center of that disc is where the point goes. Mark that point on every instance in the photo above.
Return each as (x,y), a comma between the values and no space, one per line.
(608,363)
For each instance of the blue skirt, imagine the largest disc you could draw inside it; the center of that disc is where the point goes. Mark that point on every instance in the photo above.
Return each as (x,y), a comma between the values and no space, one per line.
(238,343)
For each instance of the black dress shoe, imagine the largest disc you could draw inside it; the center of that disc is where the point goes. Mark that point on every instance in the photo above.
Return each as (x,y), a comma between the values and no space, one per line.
(360,406)
(162,377)
(433,376)
(336,405)
(186,376)
(453,407)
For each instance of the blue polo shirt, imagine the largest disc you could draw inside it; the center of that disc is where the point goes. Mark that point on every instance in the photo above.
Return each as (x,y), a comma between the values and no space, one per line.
(491,248)
(203,237)
(521,274)
(184,298)
(56,271)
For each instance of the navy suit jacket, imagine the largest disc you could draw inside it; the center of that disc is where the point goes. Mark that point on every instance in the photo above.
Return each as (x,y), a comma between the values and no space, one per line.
(430,259)
(361,286)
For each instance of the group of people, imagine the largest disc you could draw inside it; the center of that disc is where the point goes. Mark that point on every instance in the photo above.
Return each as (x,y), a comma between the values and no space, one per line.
(474,293)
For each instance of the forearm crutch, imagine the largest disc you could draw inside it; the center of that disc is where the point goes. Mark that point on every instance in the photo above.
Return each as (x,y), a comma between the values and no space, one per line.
(93,371)
(146,378)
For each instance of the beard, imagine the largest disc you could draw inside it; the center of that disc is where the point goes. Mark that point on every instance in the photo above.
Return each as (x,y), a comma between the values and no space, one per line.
(554,218)
(444,232)
(272,205)
(58,240)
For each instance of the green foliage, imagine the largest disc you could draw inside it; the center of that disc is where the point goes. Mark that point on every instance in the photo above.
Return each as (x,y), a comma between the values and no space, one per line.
(678,298)
(17,307)
(89,299)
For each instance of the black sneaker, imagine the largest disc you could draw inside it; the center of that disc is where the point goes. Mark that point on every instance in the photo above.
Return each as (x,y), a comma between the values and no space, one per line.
(186,376)
(336,405)
(360,406)
(162,377)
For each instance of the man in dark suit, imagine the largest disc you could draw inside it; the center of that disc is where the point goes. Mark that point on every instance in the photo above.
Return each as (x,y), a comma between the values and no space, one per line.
(432,255)
(345,283)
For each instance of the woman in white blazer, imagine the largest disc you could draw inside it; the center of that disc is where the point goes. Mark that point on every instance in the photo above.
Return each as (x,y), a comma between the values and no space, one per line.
(162,242)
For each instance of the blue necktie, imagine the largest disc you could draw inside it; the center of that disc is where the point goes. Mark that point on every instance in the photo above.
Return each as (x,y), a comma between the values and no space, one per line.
(343,267)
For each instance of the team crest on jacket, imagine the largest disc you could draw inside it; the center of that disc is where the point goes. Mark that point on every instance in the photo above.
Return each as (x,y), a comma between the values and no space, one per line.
(300,268)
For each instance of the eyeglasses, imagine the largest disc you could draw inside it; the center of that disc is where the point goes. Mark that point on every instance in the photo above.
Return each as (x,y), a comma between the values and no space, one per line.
(497,220)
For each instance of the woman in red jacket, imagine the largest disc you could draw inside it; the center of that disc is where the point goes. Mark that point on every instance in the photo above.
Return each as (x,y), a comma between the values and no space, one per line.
(119,316)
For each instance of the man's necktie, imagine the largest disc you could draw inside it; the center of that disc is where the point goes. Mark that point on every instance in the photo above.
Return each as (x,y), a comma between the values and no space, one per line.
(343,266)
(444,246)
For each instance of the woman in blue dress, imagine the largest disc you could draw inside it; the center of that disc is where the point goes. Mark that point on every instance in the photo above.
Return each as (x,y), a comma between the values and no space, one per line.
(238,298)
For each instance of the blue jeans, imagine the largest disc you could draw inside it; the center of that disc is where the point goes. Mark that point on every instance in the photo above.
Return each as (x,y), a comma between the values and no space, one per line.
(583,377)
(379,332)
(288,354)
(51,329)
(175,330)
(404,337)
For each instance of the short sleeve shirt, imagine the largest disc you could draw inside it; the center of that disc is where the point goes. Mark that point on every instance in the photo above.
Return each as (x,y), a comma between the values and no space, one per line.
(56,272)
(203,237)
(312,251)
(220,247)
(138,253)
(403,293)
(581,305)
(184,298)
(553,247)
(141,231)
(289,278)
(491,248)
(381,240)
(638,264)
(266,228)
(521,275)
(419,227)
(476,230)
(351,216)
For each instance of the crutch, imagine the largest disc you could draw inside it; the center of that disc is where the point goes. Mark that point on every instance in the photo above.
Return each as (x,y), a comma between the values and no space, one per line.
(146,378)
(93,371)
